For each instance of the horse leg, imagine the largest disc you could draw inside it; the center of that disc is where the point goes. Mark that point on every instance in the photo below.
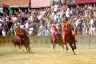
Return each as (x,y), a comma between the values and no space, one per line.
(72,48)
(54,43)
(27,48)
(15,45)
(75,45)
(20,43)
(62,45)
(66,47)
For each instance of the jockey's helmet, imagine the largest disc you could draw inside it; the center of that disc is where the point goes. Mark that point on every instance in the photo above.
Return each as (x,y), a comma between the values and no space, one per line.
(22,26)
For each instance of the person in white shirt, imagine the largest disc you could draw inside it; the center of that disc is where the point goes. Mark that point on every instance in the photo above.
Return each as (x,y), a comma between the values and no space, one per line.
(1,10)
(55,17)
(14,18)
(92,28)
(3,32)
(77,22)
(55,8)
(41,31)
(68,13)
(30,31)
(26,25)
(1,19)
(30,18)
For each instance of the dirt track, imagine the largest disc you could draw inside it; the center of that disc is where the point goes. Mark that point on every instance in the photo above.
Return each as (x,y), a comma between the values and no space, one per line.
(46,55)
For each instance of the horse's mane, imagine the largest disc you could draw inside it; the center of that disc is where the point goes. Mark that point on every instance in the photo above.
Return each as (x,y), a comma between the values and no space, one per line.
(25,33)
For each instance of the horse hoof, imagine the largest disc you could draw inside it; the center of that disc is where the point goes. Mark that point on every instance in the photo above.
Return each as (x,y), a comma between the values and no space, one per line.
(74,53)
(19,47)
(54,46)
(76,41)
(67,49)
(75,48)
(29,52)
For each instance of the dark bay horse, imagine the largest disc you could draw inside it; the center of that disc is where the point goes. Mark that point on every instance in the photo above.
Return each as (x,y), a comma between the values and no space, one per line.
(25,41)
(69,39)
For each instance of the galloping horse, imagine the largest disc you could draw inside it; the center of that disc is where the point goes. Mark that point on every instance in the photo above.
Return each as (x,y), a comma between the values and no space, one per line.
(25,41)
(70,39)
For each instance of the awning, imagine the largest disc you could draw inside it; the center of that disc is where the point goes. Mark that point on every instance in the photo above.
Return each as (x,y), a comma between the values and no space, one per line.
(15,3)
(40,3)
(85,1)
(2,2)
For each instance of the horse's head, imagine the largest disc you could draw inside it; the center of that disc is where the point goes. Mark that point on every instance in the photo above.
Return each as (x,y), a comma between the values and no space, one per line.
(25,33)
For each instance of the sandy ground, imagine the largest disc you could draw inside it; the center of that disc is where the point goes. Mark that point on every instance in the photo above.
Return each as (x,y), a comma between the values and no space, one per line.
(44,54)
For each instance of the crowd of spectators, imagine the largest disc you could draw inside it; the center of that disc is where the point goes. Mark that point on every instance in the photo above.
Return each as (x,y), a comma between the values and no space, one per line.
(83,17)
(37,21)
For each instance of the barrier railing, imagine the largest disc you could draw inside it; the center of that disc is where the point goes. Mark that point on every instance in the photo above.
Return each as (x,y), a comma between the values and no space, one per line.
(82,41)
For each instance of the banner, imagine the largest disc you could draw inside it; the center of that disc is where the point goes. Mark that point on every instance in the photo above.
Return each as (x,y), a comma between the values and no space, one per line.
(15,3)
(40,3)
(85,1)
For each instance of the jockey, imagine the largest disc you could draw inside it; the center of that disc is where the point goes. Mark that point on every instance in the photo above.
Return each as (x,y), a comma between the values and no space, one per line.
(54,31)
(65,29)
(19,33)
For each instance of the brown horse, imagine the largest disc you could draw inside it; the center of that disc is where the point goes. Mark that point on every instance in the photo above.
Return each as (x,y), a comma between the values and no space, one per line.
(25,41)
(70,40)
